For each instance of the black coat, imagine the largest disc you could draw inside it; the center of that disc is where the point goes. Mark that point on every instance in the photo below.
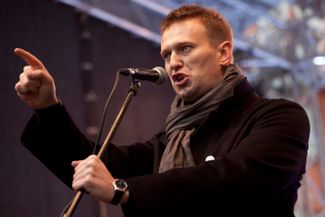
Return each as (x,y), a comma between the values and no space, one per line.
(259,146)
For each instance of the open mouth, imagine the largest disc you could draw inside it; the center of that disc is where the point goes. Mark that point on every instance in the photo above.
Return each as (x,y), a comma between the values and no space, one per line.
(179,78)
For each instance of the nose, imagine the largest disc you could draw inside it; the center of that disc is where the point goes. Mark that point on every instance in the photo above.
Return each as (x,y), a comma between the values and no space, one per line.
(175,62)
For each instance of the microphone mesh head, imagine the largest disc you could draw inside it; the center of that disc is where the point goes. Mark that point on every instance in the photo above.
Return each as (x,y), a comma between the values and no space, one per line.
(162,75)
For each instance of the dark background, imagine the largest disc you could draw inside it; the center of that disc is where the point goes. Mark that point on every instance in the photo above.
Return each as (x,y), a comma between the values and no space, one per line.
(51,31)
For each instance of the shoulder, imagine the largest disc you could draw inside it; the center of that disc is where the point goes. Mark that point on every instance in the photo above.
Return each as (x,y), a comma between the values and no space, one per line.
(282,106)
(283,114)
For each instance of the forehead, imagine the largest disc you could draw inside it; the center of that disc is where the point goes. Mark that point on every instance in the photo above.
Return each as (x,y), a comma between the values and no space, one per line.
(183,31)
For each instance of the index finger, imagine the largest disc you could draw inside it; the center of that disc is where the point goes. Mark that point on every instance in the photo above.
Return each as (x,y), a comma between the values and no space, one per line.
(29,58)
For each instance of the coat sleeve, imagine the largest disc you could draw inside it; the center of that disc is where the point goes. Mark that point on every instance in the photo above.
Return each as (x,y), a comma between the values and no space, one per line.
(52,137)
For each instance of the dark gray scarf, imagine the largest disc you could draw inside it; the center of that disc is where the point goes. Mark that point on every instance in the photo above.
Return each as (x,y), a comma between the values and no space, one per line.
(183,119)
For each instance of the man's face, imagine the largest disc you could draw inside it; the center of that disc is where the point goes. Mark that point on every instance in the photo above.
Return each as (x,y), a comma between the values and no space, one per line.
(192,62)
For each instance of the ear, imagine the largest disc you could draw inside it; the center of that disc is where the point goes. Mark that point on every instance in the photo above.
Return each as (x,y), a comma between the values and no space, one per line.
(225,51)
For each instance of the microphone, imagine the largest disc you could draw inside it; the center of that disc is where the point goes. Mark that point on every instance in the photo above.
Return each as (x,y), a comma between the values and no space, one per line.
(157,75)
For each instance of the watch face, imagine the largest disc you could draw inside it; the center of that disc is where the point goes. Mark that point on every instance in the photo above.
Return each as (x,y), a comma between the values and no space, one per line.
(120,184)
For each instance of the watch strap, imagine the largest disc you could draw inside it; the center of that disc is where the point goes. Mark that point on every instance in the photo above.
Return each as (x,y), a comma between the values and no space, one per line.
(117,197)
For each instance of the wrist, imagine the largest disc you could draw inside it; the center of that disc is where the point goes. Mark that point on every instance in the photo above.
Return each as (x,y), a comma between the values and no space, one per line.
(125,197)
(56,100)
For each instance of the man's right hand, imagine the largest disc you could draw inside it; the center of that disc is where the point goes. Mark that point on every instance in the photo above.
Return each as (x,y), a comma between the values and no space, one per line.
(36,87)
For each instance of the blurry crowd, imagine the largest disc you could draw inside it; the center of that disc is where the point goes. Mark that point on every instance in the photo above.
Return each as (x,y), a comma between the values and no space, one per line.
(297,31)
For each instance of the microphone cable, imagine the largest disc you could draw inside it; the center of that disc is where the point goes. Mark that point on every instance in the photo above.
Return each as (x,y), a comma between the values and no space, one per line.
(117,79)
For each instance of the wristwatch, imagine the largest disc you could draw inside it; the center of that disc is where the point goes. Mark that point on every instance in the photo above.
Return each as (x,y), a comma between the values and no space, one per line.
(120,187)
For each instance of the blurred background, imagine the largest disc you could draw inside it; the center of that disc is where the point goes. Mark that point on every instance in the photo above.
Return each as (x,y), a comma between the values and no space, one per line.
(279,43)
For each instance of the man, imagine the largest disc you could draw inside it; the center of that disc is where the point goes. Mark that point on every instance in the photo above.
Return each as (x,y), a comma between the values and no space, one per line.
(225,151)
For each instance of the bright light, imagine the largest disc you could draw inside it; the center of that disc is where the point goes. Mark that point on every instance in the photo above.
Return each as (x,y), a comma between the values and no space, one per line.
(319,60)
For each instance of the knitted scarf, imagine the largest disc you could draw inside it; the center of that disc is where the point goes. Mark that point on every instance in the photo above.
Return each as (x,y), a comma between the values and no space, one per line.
(183,120)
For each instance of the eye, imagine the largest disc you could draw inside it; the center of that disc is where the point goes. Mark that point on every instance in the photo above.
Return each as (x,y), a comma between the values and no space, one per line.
(166,56)
(186,49)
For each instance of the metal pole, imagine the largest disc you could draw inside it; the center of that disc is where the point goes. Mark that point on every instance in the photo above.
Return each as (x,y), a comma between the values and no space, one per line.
(132,92)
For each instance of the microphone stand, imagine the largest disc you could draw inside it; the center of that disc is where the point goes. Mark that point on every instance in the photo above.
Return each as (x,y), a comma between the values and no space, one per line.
(131,93)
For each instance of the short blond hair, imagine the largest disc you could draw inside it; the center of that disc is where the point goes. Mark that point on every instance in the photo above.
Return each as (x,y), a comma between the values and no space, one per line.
(217,26)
